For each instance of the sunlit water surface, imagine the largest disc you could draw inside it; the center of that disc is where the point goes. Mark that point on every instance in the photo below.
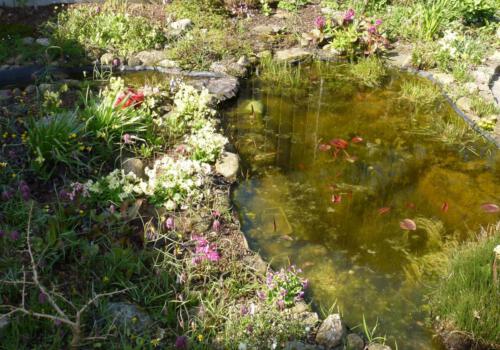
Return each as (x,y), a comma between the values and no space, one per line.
(352,249)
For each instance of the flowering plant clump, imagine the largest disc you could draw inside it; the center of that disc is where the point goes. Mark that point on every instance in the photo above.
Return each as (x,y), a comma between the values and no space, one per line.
(204,251)
(205,144)
(349,34)
(191,110)
(454,48)
(129,97)
(284,287)
(115,187)
(176,182)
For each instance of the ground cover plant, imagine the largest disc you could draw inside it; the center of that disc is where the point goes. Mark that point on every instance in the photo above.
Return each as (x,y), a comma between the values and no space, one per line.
(81,236)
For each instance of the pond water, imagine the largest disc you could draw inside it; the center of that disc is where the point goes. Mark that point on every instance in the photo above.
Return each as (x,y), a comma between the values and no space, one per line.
(334,208)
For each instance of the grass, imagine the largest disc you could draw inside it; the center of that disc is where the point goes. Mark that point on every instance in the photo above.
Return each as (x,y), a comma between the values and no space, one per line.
(465,298)
(369,72)
(420,93)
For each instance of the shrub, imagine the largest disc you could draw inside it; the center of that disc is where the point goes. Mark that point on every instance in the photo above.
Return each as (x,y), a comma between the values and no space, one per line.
(205,145)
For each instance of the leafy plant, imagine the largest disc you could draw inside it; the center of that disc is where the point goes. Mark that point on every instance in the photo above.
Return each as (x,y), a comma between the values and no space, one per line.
(369,71)
(54,141)
(285,287)
(292,5)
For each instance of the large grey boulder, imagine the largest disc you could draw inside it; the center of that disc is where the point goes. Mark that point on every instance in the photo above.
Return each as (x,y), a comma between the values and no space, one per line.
(133,165)
(182,24)
(378,347)
(107,58)
(331,332)
(295,54)
(150,57)
(228,165)
(43,41)
(354,342)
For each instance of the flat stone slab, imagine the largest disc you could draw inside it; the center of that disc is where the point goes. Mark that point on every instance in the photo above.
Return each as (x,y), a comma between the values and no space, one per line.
(295,54)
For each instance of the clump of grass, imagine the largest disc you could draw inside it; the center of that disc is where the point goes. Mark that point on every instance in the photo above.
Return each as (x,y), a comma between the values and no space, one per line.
(483,108)
(466,298)
(281,74)
(420,93)
(369,72)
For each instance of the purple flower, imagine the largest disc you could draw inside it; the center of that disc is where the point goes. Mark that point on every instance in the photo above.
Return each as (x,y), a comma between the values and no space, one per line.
(216,214)
(281,304)
(216,225)
(169,223)
(372,29)
(116,62)
(181,342)
(42,298)
(25,190)
(261,295)
(244,310)
(97,10)
(349,16)
(305,284)
(14,235)
(319,22)
(300,295)
(7,194)
(213,255)
(127,139)
(378,22)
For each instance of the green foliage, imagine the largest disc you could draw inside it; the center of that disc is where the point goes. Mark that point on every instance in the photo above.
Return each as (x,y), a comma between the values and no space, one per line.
(420,93)
(369,72)
(54,140)
(482,108)
(105,29)
(292,5)
(464,298)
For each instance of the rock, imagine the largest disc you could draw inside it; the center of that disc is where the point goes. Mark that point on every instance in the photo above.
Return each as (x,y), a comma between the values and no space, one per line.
(282,14)
(223,88)
(228,165)
(299,308)
(471,87)
(107,58)
(256,262)
(308,319)
(243,61)
(296,54)
(150,57)
(265,29)
(46,87)
(181,25)
(30,89)
(133,61)
(354,342)
(482,75)
(166,63)
(264,54)
(5,96)
(28,40)
(444,78)
(229,67)
(133,165)
(43,41)
(464,104)
(331,332)
(128,315)
(378,347)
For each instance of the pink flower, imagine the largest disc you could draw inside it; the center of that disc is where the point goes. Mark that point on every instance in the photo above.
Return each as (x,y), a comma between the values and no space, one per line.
(378,22)
(216,225)
(127,139)
(169,223)
(372,29)
(349,16)
(319,22)
(116,62)
(213,255)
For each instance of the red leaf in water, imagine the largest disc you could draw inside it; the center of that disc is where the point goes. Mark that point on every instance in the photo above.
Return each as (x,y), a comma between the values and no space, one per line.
(324,147)
(339,143)
(336,198)
(384,210)
(410,205)
(357,139)
(490,208)
(408,224)
(445,207)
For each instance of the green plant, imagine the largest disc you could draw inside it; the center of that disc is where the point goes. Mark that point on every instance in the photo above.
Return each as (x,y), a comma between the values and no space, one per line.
(369,72)
(420,93)
(56,140)
(292,5)
(465,298)
(483,108)
(99,28)
(476,11)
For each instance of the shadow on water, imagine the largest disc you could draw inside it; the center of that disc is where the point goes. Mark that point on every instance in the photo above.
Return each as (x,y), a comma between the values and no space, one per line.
(335,209)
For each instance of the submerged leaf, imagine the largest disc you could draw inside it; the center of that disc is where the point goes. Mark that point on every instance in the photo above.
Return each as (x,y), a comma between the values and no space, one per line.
(339,143)
(490,208)
(445,207)
(336,198)
(384,210)
(357,139)
(408,224)
(324,147)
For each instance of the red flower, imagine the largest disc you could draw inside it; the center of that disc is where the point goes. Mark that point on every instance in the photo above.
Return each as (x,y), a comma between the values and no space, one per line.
(129,98)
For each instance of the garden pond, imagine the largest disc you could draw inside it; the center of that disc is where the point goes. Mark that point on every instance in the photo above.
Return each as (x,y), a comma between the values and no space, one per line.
(361,187)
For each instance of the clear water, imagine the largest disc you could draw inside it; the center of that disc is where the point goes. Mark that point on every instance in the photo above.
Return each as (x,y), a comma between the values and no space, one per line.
(352,250)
